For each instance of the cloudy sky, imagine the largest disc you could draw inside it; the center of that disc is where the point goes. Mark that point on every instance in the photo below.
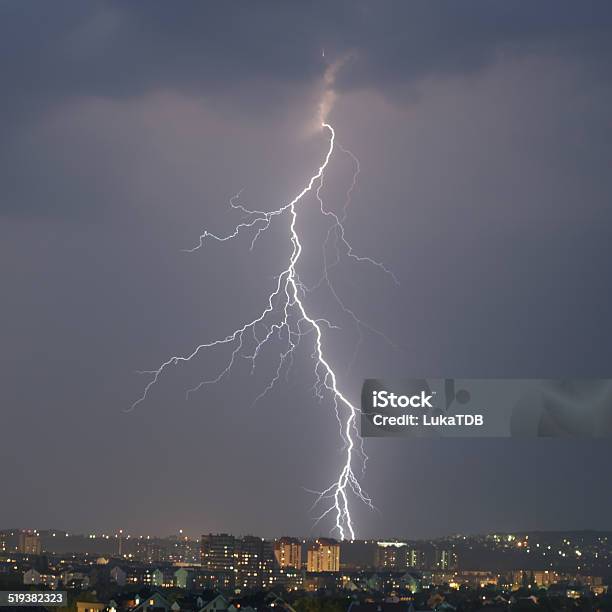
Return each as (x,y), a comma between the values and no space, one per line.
(484,134)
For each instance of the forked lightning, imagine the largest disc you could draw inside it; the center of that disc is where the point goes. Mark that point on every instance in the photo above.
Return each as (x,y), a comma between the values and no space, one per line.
(286,319)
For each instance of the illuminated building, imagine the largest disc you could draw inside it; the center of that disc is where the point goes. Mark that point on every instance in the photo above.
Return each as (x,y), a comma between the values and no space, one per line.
(218,552)
(149,551)
(249,558)
(246,563)
(219,559)
(398,556)
(32,576)
(391,555)
(323,556)
(288,552)
(182,549)
(29,542)
(255,563)
(269,566)
(445,559)
(416,558)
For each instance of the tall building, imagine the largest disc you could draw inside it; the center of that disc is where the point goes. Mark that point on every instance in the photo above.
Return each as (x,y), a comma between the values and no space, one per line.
(323,556)
(249,560)
(391,556)
(269,566)
(218,557)
(416,558)
(445,559)
(398,556)
(218,552)
(256,565)
(149,551)
(182,549)
(288,552)
(29,542)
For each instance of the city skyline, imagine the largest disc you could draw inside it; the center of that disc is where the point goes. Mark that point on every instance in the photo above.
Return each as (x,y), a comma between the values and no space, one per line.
(226,572)
(227,556)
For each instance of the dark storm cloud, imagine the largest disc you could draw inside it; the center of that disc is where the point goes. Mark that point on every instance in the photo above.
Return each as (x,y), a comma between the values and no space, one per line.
(418,39)
(253,58)
(50,51)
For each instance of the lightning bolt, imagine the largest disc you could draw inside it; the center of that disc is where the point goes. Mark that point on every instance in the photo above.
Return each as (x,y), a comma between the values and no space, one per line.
(286,320)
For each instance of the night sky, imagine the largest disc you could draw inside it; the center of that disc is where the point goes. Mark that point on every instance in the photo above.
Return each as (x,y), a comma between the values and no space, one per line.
(484,133)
